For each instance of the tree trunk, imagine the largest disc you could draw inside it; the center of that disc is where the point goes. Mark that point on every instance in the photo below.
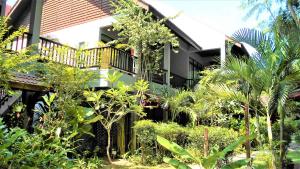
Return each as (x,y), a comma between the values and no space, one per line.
(121,136)
(139,77)
(282,141)
(257,126)
(247,144)
(140,61)
(108,146)
(269,127)
(293,13)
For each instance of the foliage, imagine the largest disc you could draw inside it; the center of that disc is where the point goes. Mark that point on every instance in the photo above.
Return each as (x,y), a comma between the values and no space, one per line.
(10,61)
(146,132)
(110,106)
(289,129)
(220,137)
(190,138)
(277,55)
(68,84)
(203,105)
(264,159)
(21,149)
(280,13)
(142,31)
(207,162)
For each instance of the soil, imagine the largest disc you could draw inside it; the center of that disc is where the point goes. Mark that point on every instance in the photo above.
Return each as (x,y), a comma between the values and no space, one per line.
(124,164)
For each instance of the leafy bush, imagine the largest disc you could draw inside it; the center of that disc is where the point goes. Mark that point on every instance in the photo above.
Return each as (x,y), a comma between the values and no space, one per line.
(187,137)
(217,137)
(146,137)
(290,127)
(264,159)
(20,149)
(173,132)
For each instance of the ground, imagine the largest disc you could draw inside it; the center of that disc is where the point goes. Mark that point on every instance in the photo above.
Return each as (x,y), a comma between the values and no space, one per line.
(124,164)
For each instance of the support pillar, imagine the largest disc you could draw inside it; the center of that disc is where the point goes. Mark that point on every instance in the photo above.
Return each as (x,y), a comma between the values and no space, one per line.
(167,62)
(121,136)
(3,7)
(35,21)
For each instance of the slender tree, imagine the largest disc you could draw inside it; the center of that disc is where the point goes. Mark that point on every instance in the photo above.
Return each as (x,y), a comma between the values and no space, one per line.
(112,105)
(144,32)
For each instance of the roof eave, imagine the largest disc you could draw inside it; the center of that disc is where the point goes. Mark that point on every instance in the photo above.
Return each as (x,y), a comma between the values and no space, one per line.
(171,25)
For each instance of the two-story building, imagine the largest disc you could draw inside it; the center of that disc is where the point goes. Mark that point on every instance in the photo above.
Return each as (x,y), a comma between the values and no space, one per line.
(77,23)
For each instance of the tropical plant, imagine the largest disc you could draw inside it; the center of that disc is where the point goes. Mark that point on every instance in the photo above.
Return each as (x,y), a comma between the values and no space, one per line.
(191,138)
(139,29)
(279,58)
(10,61)
(207,162)
(19,149)
(112,105)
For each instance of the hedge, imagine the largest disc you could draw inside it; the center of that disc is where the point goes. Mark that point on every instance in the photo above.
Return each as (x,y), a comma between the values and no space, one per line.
(190,138)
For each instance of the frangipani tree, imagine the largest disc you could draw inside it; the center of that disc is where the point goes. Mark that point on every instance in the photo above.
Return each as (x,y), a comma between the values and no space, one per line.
(110,106)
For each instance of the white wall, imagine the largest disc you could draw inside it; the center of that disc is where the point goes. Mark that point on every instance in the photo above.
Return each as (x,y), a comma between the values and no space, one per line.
(87,32)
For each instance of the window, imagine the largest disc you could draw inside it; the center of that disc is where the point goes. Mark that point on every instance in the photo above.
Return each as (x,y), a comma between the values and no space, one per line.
(194,69)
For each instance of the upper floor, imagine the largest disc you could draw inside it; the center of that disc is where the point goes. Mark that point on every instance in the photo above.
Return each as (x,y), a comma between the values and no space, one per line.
(58,23)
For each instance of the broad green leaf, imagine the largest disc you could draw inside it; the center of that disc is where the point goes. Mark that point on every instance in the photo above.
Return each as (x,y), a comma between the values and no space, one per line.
(175,148)
(175,163)
(211,160)
(236,164)
(88,111)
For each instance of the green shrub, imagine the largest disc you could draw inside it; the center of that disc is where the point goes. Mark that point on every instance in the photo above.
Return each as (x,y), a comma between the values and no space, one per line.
(262,130)
(173,132)
(290,127)
(146,136)
(18,149)
(187,137)
(264,159)
(218,138)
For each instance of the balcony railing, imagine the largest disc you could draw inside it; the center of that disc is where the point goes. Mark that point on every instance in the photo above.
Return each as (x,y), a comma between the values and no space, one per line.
(3,96)
(60,53)
(177,81)
(121,59)
(191,83)
(158,77)
(103,57)
(181,82)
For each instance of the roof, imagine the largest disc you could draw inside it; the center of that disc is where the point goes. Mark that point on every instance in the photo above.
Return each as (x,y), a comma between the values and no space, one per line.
(21,5)
(17,9)
(198,32)
(179,32)
(27,82)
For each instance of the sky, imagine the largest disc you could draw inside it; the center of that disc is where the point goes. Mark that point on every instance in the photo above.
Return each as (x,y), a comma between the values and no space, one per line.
(223,15)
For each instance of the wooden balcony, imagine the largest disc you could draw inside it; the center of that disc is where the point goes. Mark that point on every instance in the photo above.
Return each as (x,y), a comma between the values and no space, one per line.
(101,57)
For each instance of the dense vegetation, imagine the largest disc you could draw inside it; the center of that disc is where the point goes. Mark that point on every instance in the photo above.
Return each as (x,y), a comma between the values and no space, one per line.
(244,106)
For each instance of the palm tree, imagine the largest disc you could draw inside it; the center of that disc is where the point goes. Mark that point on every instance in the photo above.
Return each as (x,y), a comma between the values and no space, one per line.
(276,58)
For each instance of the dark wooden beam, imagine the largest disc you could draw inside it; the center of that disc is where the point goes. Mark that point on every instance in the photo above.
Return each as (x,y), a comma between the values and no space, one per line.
(35,21)
(3,7)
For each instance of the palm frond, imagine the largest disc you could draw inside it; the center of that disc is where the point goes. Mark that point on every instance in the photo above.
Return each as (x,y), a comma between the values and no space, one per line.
(227,93)
(254,38)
